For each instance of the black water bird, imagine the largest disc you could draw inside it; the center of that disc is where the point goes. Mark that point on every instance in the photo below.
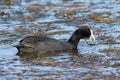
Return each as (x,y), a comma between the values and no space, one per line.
(38,44)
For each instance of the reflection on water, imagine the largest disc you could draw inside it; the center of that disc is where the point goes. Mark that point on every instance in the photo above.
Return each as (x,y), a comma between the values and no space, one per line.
(58,19)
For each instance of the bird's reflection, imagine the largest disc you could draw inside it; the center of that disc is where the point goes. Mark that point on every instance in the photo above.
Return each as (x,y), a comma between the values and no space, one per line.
(38,55)
(43,58)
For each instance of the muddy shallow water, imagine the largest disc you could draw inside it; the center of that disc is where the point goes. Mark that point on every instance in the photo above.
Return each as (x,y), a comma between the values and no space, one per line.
(58,19)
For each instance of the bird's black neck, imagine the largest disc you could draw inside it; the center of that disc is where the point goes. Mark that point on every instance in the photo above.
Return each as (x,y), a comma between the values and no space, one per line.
(74,39)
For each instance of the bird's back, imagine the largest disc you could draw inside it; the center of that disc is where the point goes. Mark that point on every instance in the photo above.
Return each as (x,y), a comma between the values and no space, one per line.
(37,44)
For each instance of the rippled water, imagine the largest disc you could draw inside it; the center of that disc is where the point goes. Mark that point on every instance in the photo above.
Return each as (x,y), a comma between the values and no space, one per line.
(58,19)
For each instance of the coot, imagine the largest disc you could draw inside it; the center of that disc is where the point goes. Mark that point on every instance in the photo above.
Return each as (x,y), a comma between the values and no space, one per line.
(37,43)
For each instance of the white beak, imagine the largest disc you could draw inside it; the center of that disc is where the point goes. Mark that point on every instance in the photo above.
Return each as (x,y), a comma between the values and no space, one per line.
(92,38)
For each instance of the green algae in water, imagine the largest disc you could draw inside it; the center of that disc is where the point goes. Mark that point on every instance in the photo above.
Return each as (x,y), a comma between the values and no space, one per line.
(6,41)
(112,42)
(6,2)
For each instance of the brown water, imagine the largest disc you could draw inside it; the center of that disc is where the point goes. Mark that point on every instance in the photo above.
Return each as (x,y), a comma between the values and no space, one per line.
(58,19)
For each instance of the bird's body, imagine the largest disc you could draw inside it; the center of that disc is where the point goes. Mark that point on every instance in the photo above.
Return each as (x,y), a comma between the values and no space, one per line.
(39,44)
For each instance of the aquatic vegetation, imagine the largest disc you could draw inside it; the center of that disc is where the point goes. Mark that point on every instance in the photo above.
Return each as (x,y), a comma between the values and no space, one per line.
(101,19)
(111,50)
(6,2)
(58,19)
(35,7)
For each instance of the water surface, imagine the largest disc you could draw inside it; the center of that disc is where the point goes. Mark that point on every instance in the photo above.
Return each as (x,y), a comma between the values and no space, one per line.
(58,19)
